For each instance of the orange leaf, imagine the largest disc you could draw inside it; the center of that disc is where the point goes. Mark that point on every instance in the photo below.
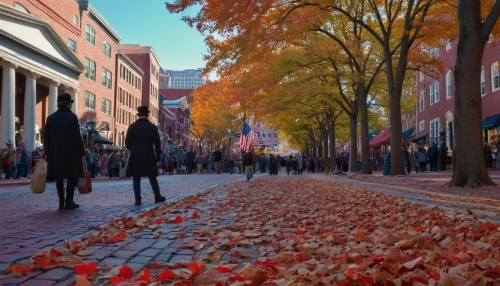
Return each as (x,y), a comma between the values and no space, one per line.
(126,272)
(116,280)
(154,265)
(223,269)
(19,269)
(196,215)
(166,275)
(82,281)
(41,262)
(87,269)
(145,276)
(119,237)
(194,267)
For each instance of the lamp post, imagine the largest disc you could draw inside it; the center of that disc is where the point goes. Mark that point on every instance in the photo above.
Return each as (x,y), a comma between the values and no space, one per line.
(90,131)
(229,149)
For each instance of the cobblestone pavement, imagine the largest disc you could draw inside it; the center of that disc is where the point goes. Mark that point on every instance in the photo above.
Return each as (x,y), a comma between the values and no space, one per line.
(31,223)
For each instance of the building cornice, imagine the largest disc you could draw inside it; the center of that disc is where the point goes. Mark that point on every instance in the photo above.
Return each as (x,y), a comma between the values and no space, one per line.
(99,19)
(52,14)
(126,59)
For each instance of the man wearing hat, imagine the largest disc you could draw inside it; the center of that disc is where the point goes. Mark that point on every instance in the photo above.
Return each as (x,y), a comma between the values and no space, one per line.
(143,142)
(64,150)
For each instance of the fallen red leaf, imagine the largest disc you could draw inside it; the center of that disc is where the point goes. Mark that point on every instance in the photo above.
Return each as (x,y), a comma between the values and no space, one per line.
(196,215)
(154,265)
(126,272)
(145,276)
(85,269)
(194,267)
(41,262)
(177,220)
(223,269)
(116,280)
(166,275)
(16,268)
(236,277)
(118,237)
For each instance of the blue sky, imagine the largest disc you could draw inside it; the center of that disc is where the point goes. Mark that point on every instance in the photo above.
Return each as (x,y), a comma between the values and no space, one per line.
(148,23)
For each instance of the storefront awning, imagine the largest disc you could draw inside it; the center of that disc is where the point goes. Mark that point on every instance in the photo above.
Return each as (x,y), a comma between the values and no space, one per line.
(420,138)
(491,122)
(408,134)
(381,139)
(99,139)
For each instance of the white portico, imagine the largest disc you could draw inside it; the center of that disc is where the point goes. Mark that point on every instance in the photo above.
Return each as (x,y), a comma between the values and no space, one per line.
(36,66)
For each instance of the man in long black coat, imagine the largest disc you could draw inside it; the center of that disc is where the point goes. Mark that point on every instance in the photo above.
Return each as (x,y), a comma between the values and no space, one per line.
(191,155)
(142,136)
(64,150)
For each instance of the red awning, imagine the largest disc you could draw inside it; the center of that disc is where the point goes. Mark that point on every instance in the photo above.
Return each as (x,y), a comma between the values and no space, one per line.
(381,139)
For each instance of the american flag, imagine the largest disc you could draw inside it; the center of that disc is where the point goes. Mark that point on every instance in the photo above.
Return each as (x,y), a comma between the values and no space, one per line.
(247,137)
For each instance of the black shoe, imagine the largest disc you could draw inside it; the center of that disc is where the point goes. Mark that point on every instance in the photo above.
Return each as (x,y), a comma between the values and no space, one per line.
(160,199)
(71,206)
(61,205)
(138,203)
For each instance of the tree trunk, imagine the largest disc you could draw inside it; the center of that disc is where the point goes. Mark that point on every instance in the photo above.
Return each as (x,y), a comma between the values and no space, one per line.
(470,165)
(365,145)
(353,120)
(325,153)
(333,151)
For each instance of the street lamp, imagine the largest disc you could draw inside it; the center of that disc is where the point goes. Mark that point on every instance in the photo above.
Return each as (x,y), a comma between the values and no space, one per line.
(90,131)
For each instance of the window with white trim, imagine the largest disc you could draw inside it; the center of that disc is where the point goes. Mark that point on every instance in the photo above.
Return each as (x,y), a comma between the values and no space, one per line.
(434,131)
(72,45)
(422,125)
(106,78)
(483,82)
(107,49)
(448,46)
(495,84)
(89,69)
(448,85)
(106,106)
(90,35)
(434,93)
(422,100)
(434,52)
(89,100)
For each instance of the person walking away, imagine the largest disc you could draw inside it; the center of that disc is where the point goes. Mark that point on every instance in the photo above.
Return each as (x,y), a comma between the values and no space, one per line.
(230,165)
(143,142)
(487,155)
(443,156)
(289,165)
(18,163)
(433,157)
(415,160)
(6,155)
(422,159)
(116,164)
(190,155)
(90,162)
(199,164)
(248,165)
(110,164)
(255,160)
(217,155)
(64,150)
(103,162)
(408,161)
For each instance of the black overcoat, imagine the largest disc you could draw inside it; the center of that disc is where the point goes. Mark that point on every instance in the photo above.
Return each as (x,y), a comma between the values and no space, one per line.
(142,136)
(63,145)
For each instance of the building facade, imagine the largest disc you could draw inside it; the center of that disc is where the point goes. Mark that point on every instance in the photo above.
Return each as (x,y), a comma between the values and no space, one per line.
(89,39)
(179,134)
(435,96)
(184,79)
(265,137)
(145,58)
(128,95)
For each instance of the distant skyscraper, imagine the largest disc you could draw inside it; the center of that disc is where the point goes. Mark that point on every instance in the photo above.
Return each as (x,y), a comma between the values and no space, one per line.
(185,79)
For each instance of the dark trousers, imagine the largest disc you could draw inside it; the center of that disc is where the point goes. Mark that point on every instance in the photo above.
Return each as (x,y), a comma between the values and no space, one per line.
(116,171)
(434,164)
(70,189)
(408,169)
(91,169)
(231,168)
(6,169)
(137,187)
(442,163)
(423,166)
(190,167)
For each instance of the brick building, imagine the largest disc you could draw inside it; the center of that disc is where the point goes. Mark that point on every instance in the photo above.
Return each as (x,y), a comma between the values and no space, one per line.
(66,38)
(265,137)
(435,96)
(180,133)
(128,95)
(145,58)
(176,93)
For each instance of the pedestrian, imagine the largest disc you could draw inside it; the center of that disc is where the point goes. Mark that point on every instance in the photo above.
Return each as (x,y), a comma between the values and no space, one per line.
(64,150)
(443,156)
(217,155)
(103,164)
(230,165)
(36,155)
(487,155)
(433,154)
(255,160)
(175,164)
(199,163)
(116,164)
(408,161)
(498,155)
(415,160)
(6,153)
(110,164)
(248,157)
(143,142)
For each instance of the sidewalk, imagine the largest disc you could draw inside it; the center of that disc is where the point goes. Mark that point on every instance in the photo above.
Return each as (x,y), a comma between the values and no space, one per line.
(278,230)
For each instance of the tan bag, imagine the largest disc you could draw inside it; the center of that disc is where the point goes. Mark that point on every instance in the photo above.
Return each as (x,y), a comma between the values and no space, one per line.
(38,179)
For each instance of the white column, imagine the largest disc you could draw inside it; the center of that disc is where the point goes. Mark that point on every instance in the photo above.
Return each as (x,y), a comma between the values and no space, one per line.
(53,91)
(7,119)
(29,112)
(74,96)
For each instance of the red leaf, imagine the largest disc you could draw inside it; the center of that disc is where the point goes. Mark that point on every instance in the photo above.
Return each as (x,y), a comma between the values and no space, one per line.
(145,276)
(19,269)
(236,277)
(196,215)
(126,272)
(54,253)
(87,269)
(177,220)
(194,267)
(299,232)
(154,265)
(300,257)
(116,280)
(41,262)
(166,275)
(223,269)
(118,237)
(182,283)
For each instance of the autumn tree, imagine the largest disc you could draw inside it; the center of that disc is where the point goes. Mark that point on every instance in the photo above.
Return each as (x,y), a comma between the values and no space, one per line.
(476,21)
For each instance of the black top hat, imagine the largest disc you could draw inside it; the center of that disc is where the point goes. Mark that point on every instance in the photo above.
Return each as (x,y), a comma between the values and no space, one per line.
(143,111)
(64,98)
